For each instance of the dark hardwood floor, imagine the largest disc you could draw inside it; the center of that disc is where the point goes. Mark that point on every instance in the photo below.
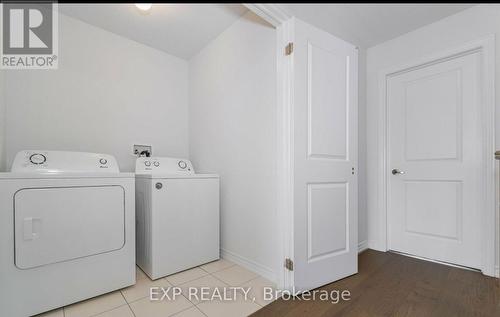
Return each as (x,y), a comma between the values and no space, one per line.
(389,284)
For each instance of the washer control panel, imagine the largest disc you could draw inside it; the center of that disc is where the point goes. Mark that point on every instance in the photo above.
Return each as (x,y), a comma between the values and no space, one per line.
(63,162)
(166,165)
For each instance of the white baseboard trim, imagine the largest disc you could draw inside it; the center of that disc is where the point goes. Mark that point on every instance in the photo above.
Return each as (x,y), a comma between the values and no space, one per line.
(362,246)
(497,271)
(253,266)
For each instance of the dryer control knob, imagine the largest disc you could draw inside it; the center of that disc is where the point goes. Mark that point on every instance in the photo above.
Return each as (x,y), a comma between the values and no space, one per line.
(182,164)
(147,163)
(37,158)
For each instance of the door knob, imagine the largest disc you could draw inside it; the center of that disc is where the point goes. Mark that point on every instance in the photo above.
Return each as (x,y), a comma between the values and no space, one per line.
(396,171)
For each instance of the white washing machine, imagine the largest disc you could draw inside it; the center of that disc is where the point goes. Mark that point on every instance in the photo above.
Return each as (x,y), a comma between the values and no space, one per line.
(66,230)
(177,216)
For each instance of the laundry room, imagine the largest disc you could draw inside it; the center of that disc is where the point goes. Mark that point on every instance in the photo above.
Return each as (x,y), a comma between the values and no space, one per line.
(248,159)
(203,90)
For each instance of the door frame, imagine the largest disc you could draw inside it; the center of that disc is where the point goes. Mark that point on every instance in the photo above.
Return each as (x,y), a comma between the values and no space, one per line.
(285,157)
(486,46)
(283,22)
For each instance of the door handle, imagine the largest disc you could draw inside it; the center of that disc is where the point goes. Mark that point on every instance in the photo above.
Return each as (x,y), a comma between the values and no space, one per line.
(396,172)
(29,228)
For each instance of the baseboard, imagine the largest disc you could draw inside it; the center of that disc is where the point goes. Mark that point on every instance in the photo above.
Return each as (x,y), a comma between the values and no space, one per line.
(362,246)
(262,270)
(497,271)
(253,266)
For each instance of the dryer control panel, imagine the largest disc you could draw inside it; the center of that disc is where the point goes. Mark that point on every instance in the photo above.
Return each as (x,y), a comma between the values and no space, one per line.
(40,161)
(165,165)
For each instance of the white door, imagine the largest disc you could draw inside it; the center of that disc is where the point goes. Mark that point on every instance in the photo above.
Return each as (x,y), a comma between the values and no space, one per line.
(325,157)
(57,224)
(435,142)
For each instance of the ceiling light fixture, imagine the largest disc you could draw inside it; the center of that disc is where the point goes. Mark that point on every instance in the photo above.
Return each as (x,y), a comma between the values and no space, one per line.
(143,6)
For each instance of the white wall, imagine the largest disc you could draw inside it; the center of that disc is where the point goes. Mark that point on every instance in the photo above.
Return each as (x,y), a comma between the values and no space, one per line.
(108,93)
(453,31)
(232,132)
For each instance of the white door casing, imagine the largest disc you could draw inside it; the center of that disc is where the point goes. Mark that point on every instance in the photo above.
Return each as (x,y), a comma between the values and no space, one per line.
(324,157)
(484,48)
(434,138)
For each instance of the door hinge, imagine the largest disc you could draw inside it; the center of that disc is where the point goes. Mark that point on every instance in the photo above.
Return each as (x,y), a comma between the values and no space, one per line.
(289,264)
(289,48)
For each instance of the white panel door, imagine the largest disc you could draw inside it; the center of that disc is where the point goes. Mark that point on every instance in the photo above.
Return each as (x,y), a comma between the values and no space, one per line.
(325,157)
(435,142)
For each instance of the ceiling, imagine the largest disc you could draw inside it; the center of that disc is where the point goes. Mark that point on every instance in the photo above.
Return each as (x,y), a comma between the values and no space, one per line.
(184,29)
(366,25)
(178,29)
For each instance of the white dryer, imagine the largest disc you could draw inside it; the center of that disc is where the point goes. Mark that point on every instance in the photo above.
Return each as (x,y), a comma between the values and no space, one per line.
(177,216)
(66,230)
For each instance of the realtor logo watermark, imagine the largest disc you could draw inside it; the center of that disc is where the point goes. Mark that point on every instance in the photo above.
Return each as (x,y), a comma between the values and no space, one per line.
(29,35)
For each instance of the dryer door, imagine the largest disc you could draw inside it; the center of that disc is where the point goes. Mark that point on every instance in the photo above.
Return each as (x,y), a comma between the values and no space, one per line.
(59,224)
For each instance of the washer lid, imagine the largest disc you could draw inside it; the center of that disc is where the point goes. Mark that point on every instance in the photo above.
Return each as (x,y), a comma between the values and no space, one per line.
(53,162)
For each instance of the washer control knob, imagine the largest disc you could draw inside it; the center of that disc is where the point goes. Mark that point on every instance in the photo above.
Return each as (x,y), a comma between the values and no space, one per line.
(103,161)
(158,185)
(37,158)
(156,164)
(147,163)
(182,164)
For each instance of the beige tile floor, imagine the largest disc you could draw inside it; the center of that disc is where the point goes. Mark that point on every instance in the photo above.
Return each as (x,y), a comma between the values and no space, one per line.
(134,301)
